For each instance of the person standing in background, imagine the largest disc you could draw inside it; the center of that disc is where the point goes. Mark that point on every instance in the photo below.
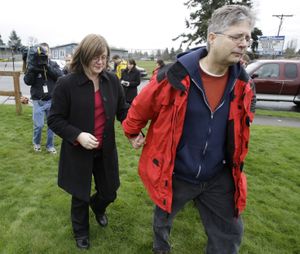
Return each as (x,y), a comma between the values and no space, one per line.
(119,65)
(68,60)
(245,60)
(41,75)
(130,79)
(85,105)
(160,63)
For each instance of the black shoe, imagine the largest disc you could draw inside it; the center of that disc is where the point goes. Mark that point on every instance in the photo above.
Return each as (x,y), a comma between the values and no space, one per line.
(102,219)
(83,243)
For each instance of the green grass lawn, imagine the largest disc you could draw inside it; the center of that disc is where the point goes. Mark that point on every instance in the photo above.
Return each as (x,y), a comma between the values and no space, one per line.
(149,66)
(264,112)
(35,213)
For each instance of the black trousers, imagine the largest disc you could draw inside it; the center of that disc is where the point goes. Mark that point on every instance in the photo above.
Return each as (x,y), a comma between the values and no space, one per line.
(98,201)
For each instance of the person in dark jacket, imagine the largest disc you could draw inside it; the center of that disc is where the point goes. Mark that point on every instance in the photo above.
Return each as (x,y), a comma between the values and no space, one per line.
(85,105)
(41,76)
(68,60)
(200,109)
(130,79)
(160,63)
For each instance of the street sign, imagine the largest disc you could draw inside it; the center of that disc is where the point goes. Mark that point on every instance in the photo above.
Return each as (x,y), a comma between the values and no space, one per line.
(270,45)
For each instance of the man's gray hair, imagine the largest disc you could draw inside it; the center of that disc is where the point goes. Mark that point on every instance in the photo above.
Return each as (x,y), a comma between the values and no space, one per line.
(229,15)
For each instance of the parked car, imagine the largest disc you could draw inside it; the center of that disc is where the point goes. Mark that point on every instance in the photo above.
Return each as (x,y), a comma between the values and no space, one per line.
(142,71)
(276,80)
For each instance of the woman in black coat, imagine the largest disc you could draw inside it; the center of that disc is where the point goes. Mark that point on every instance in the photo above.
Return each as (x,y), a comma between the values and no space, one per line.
(130,79)
(85,105)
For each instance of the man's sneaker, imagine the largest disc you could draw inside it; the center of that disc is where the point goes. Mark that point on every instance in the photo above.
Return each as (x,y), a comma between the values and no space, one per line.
(51,150)
(37,148)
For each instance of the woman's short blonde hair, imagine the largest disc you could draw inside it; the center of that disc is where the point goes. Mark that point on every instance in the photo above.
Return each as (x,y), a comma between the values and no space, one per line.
(91,46)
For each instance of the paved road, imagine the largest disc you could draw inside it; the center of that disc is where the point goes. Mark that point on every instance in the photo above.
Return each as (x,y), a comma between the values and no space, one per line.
(276,121)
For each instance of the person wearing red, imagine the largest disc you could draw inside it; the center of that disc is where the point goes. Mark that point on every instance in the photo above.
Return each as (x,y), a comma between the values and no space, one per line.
(200,109)
(85,105)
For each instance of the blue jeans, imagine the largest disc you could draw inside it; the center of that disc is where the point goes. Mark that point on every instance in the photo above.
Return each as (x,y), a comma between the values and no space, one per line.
(214,202)
(40,110)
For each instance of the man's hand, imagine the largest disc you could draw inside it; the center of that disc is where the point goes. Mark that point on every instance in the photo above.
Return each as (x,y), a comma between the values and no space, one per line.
(87,140)
(138,141)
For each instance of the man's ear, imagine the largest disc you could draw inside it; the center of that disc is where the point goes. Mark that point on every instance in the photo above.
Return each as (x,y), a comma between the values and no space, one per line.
(211,38)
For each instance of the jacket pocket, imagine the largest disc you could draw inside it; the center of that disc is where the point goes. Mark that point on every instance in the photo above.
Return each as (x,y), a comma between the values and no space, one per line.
(154,169)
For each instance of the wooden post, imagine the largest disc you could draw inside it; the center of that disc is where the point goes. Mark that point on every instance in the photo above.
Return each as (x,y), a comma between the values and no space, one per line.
(16,78)
(17,91)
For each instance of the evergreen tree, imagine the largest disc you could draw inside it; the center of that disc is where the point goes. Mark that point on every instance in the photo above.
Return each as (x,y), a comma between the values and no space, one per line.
(14,40)
(158,54)
(290,50)
(254,35)
(179,50)
(1,41)
(172,54)
(166,55)
(198,21)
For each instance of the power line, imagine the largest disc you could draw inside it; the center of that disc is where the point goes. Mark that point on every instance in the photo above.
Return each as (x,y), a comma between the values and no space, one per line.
(281,20)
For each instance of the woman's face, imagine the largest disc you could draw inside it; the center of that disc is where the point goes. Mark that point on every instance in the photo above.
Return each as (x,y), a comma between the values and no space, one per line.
(98,64)
(129,66)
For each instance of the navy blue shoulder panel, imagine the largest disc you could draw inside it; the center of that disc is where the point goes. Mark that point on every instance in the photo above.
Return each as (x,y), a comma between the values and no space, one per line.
(175,73)
(243,75)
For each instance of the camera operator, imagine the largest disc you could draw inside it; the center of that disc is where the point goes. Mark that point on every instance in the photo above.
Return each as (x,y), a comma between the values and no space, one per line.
(41,75)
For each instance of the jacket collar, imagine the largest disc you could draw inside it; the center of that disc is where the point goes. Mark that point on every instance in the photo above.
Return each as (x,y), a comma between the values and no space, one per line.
(188,64)
(82,79)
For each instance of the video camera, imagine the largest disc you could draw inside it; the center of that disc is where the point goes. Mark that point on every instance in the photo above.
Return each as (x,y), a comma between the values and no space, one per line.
(34,56)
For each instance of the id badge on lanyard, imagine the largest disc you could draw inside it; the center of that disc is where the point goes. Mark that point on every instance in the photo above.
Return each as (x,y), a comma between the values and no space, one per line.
(45,88)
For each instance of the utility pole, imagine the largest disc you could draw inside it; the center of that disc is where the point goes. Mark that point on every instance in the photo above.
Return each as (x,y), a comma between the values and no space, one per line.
(281,20)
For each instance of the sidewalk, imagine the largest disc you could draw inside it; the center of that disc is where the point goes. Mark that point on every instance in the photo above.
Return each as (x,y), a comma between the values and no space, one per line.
(276,121)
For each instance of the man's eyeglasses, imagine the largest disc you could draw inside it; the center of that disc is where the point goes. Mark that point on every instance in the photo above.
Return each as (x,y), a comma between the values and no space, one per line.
(237,38)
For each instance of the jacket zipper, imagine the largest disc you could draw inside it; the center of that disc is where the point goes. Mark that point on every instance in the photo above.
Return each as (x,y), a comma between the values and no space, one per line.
(211,117)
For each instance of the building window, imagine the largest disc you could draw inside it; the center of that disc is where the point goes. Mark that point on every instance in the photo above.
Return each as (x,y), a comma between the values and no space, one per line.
(61,54)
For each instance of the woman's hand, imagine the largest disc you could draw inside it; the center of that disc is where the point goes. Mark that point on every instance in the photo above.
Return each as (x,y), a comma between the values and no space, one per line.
(87,140)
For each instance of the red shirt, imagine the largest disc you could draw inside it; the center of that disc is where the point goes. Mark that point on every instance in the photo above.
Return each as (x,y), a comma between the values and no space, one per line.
(214,87)
(99,118)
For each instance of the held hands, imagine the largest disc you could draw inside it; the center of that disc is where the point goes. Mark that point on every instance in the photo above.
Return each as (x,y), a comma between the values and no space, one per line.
(125,83)
(87,140)
(138,141)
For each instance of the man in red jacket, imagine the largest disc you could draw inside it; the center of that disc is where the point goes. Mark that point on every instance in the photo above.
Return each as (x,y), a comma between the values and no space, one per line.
(200,110)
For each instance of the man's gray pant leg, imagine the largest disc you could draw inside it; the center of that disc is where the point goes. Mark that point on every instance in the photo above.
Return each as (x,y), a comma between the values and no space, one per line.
(162,221)
(217,211)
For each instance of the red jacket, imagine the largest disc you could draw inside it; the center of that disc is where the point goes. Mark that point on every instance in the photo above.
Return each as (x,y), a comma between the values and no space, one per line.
(164,102)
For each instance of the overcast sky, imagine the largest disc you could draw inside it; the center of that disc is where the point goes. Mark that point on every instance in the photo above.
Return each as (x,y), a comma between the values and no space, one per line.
(130,24)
